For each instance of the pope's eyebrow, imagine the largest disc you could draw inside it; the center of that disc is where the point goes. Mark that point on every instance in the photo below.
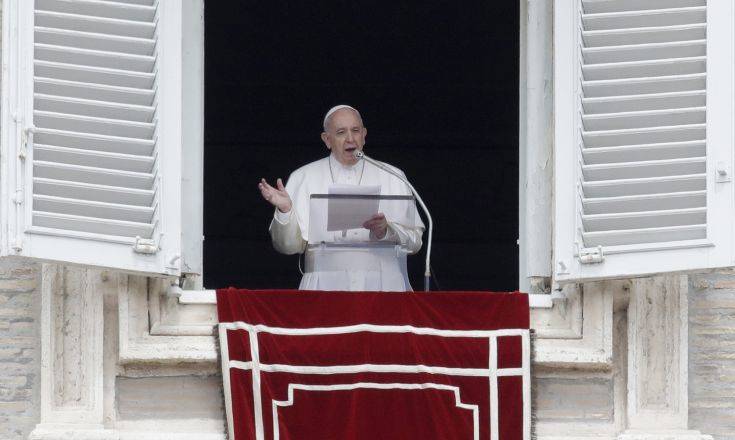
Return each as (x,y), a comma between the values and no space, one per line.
(354,127)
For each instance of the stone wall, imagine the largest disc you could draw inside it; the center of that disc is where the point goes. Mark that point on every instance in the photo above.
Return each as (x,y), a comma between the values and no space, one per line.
(20,352)
(712,354)
(142,399)
(180,403)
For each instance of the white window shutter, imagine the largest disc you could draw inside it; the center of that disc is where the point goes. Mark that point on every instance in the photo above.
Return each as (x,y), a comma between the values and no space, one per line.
(91,144)
(644,145)
(192,145)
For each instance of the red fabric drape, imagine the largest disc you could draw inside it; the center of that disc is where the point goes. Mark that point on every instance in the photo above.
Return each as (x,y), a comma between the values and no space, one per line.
(372,365)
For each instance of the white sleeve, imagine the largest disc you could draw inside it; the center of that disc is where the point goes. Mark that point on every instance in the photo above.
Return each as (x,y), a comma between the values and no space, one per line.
(410,237)
(286,234)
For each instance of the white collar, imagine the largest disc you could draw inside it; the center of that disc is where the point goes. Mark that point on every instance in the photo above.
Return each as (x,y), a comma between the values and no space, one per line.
(345,174)
(339,166)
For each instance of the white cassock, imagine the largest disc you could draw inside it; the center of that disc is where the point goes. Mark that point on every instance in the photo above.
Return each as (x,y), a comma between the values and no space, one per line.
(289,231)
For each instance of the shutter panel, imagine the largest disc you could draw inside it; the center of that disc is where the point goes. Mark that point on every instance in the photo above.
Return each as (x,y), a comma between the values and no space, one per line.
(98,168)
(643,118)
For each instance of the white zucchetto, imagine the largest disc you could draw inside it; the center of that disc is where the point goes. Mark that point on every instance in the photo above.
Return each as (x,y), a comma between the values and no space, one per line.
(334,109)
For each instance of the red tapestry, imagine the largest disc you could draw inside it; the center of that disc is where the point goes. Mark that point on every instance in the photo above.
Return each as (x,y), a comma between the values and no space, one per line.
(301,365)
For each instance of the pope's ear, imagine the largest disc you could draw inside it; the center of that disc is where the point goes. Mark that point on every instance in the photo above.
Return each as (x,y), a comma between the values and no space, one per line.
(364,132)
(324,139)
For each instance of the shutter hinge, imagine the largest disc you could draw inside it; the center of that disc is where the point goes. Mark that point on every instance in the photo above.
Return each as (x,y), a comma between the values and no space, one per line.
(145,246)
(27,133)
(723,173)
(18,197)
(591,255)
(173,262)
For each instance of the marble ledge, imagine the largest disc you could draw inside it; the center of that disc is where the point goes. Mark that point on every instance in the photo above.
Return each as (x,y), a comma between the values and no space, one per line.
(536,301)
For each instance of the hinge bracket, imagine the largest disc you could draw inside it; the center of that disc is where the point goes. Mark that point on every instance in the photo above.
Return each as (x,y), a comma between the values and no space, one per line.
(145,246)
(723,173)
(26,135)
(173,262)
(591,255)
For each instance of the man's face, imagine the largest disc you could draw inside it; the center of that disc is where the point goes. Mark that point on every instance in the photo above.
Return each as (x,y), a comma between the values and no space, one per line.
(344,135)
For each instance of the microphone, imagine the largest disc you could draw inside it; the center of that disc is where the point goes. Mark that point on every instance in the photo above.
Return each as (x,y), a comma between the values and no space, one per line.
(427,273)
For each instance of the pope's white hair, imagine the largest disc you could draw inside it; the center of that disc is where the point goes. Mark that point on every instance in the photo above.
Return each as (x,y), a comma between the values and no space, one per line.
(334,109)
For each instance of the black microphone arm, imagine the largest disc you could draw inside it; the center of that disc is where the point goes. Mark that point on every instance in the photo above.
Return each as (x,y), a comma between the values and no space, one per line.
(427,273)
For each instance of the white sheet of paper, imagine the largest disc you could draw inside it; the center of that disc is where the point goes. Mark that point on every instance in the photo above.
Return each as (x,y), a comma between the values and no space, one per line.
(346,214)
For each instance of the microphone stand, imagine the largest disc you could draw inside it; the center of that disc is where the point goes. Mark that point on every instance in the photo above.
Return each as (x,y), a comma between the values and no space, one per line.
(427,273)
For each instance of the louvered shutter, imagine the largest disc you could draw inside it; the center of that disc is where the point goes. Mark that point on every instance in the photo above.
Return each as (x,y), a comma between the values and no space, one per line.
(92,135)
(643,136)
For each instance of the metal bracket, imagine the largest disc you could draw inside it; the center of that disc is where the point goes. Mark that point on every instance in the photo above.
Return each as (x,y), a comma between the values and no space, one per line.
(173,262)
(18,197)
(562,269)
(591,255)
(723,173)
(145,246)
(26,136)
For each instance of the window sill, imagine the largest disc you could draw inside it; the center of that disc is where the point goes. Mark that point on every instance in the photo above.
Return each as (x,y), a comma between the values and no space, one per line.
(536,301)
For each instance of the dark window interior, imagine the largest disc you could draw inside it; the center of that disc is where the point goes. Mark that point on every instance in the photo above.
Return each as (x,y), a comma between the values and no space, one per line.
(437,85)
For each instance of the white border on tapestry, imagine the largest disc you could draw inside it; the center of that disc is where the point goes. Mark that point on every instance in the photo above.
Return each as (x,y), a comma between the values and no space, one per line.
(492,372)
(381,386)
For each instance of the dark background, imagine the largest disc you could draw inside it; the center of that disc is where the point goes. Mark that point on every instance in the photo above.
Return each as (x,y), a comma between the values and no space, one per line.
(437,85)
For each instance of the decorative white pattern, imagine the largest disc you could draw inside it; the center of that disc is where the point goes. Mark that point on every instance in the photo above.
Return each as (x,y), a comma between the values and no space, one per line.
(239,325)
(257,402)
(492,372)
(380,386)
(493,379)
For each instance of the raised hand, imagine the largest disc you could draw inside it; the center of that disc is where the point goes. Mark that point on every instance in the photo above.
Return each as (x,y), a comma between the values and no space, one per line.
(277,196)
(378,225)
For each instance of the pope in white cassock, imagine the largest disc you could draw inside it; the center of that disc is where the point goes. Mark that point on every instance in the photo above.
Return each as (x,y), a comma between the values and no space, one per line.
(344,133)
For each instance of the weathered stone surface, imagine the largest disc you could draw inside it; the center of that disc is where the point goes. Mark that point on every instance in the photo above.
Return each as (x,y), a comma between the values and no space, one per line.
(18,285)
(724,284)
(712,355)
(701,284)
(570,399)
(563,398)
(180,397)
(19,348)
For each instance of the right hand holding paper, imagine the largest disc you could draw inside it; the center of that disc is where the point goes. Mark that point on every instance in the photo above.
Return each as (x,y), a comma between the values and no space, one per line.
(351,212)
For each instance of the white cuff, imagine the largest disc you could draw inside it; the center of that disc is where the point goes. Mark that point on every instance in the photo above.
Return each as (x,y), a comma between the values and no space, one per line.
(282,217)
(390,235)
